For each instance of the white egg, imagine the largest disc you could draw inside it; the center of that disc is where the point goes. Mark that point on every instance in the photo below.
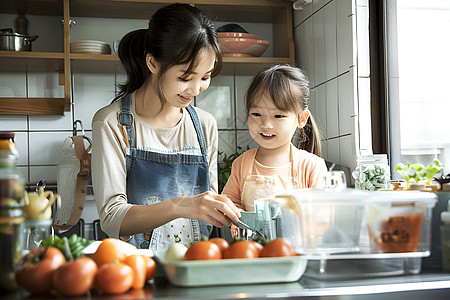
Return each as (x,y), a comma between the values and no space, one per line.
(176,252)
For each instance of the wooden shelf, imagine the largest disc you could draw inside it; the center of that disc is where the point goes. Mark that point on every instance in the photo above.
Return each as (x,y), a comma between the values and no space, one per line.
(32,106)
(21,61)
(277,13)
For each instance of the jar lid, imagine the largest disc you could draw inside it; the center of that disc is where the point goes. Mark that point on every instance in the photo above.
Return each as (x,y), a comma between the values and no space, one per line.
(7,135)
(372,158)
(445,217)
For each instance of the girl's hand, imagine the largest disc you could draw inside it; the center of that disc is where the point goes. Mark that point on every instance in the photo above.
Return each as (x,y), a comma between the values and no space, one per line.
(215,209)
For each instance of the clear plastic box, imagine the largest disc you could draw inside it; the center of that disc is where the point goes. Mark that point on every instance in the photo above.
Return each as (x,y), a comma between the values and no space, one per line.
(317,221)
(336,229)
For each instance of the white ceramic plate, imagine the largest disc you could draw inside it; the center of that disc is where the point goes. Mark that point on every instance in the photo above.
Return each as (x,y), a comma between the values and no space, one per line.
(232,271)
(88,42)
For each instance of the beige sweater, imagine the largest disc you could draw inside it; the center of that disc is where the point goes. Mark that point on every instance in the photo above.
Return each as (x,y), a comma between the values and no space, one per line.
(109,150)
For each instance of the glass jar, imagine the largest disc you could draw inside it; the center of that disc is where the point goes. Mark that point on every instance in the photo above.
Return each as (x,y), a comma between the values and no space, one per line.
(372,172)
(12,212)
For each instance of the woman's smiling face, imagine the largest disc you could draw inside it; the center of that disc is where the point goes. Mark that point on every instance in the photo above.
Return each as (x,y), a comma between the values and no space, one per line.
(270,127)
(179,88)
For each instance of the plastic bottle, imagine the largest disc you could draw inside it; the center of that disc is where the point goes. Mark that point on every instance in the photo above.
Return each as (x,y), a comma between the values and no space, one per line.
(445,238)
(12,211)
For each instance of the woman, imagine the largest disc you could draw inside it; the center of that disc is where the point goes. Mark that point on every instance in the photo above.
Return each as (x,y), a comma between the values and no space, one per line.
(155,156)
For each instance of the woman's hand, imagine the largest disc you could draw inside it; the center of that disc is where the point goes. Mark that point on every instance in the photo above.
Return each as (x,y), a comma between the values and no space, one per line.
(215,209)
(234,230)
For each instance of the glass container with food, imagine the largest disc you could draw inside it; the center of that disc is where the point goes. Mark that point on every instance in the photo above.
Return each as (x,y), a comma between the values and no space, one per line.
(12,213)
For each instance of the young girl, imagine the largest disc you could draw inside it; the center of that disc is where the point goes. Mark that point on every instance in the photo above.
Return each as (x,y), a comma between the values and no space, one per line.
(154,156)
(277,104)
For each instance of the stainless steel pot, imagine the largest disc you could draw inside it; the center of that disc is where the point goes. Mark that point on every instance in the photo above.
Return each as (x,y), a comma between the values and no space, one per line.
(11,41)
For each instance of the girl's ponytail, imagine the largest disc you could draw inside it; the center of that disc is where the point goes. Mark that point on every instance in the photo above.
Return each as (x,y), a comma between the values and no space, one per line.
(308,138)
(132,54)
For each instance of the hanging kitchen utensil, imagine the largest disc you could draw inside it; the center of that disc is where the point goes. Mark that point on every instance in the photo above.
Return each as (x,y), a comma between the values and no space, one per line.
(73,175)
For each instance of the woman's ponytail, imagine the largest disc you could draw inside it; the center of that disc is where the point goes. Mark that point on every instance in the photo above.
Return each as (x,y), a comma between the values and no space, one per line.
(132,54)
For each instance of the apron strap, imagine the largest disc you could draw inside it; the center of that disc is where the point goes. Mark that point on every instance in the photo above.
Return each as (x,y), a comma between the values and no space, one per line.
(198,128)
(126,119)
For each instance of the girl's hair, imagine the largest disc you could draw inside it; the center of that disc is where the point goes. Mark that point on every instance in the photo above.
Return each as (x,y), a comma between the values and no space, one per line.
(288,87)
(176,34)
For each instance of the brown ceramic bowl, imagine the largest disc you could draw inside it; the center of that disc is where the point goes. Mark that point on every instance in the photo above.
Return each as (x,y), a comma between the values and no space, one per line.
(243,47)
(237,35)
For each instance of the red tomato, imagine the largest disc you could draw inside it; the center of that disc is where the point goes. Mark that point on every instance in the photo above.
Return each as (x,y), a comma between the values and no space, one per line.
(139,266)
(112,249)
(114,278)
(203,250)
(258,246)
(151,267)
(222,243)
(278,247)
(75,278)
(35,270)
(241,249)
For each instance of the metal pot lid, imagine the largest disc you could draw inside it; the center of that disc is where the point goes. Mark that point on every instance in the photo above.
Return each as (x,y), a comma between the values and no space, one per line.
(9,32)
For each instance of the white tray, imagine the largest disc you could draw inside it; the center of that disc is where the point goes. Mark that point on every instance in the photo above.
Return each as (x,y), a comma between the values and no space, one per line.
(232,271)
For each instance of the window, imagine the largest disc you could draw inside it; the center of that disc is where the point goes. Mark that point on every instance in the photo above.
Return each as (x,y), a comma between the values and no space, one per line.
(418,81)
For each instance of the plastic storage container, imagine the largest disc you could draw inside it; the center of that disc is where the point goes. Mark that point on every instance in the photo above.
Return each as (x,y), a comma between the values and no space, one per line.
(338,231)
(315,221)
(400,221)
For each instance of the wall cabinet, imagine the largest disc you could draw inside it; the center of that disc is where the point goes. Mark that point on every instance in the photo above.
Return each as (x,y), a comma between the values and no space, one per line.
(276,13)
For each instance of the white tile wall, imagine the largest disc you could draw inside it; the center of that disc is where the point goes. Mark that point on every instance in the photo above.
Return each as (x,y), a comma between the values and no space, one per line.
(304,48)
(344,19)
(21,140)
(91,92)
(346,105)
(13,83)
(319,47)
(317,4)
(334,150)
(332,108)
(337,92)
(320,109)
(241,85)
(44,85)
(330,34)
(347,150)
(218,99)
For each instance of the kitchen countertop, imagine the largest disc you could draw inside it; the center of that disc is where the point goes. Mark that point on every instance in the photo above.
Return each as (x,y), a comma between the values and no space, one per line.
(429,283)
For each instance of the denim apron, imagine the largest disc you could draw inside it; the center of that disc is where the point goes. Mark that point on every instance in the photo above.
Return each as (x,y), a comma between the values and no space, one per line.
(153,177)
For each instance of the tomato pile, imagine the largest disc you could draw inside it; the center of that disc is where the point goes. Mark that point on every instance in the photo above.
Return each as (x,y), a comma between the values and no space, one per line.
(219,248)
(115,268)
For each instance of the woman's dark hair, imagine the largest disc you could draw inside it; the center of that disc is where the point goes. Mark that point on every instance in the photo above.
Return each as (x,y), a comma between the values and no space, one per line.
(288,87)
(176,34)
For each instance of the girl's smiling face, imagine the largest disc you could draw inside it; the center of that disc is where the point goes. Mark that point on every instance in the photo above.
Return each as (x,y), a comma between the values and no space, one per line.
(270,127)
(180,88)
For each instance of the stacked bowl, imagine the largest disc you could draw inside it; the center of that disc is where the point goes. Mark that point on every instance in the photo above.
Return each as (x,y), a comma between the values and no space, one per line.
(240,44)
